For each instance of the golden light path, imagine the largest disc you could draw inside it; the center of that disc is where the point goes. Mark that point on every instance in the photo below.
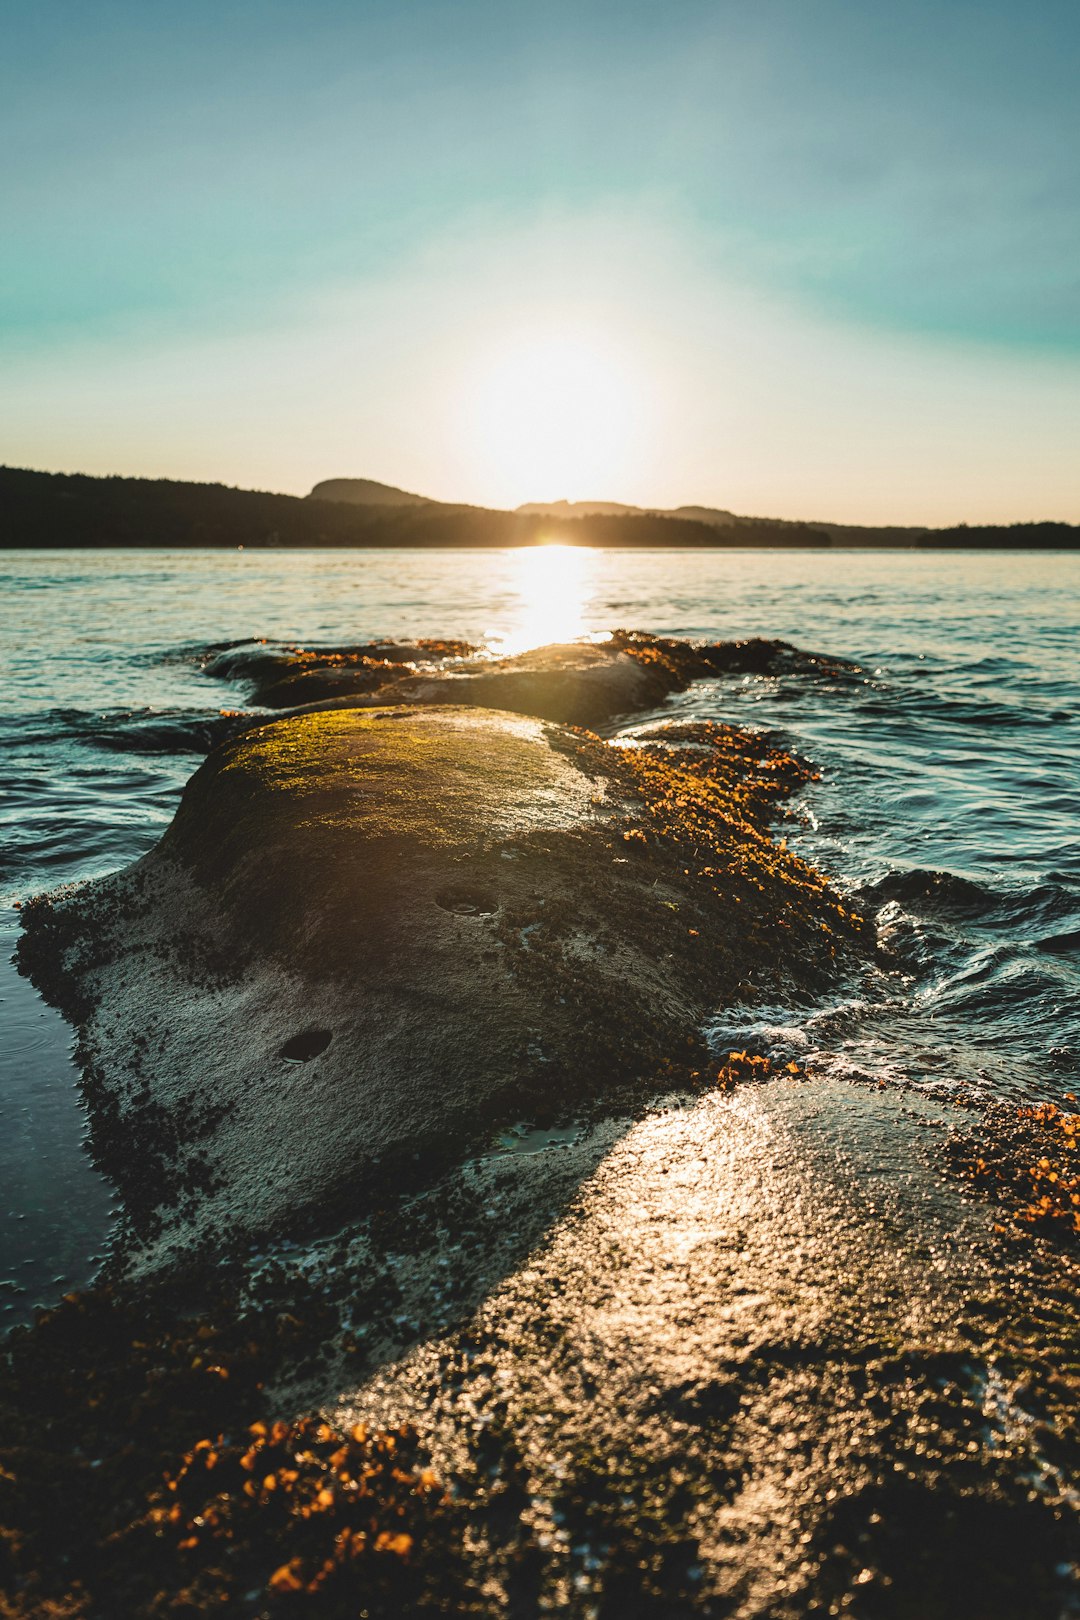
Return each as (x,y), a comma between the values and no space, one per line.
(548,588)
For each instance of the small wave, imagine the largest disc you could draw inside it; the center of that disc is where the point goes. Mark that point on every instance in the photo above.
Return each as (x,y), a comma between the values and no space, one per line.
(1003,988)
(928,707)
(163,733)
(135,731)
(937,892)
(950,897)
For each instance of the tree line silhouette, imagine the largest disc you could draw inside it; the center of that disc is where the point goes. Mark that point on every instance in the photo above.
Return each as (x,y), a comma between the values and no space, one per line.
(61,510)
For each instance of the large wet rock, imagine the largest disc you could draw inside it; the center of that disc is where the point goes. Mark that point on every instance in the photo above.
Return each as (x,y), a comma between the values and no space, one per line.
(370,936)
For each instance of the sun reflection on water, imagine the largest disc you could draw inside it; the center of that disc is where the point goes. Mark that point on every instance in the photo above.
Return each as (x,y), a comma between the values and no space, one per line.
(551,583)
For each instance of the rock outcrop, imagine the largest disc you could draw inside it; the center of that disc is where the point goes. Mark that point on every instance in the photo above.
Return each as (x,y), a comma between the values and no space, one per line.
(366,492)
(580,683)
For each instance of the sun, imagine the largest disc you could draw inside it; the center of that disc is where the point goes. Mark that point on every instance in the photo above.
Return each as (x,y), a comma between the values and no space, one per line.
(553,414)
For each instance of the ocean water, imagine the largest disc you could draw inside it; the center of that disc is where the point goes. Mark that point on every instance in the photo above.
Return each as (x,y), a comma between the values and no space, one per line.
(949,799)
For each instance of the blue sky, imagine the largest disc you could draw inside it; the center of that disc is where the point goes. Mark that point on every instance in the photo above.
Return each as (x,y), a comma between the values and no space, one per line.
(192,191)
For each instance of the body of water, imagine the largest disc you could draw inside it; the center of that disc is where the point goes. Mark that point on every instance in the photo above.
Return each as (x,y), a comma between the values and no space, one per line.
(949,799)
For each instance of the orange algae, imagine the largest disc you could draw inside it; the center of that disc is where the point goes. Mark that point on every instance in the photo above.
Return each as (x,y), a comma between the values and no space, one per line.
(1025,1156)
(135,1480)
(300,1510)
(752,1066)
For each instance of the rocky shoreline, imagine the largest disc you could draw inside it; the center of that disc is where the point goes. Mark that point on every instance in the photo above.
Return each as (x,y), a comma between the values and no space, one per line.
(487,1287)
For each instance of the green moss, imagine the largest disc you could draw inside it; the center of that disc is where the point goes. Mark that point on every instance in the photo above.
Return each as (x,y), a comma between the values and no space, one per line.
(357,772)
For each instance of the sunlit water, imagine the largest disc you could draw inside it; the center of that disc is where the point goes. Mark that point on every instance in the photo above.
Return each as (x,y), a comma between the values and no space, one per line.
(950,798)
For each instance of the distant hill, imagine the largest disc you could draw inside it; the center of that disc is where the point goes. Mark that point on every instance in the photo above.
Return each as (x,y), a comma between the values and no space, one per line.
(849,534)
(39,509)
(706,514)
(366,492)
(563,510)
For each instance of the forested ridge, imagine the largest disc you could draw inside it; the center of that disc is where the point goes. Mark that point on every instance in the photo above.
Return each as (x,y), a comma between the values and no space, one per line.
(60,510)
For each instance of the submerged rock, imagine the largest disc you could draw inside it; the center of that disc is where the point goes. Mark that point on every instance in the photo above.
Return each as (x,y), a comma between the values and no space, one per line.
(261,659)
(579,683)
(367,937)
(307,686)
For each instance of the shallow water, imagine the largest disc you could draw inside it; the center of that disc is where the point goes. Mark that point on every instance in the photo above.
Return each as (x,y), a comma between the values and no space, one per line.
(950,792)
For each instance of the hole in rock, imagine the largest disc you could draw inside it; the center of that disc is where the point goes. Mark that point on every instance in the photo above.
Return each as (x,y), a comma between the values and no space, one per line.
(465,901)
(308,1044)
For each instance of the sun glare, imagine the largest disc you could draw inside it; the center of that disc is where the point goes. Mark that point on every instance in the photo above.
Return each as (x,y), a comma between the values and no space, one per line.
(553,415)
(550,583)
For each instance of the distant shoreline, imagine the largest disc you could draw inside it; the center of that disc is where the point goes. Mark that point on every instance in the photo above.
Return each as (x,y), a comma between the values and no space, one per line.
(76,512)
(675,549)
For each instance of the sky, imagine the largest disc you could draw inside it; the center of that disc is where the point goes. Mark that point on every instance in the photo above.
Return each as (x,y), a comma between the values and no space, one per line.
(801,258)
